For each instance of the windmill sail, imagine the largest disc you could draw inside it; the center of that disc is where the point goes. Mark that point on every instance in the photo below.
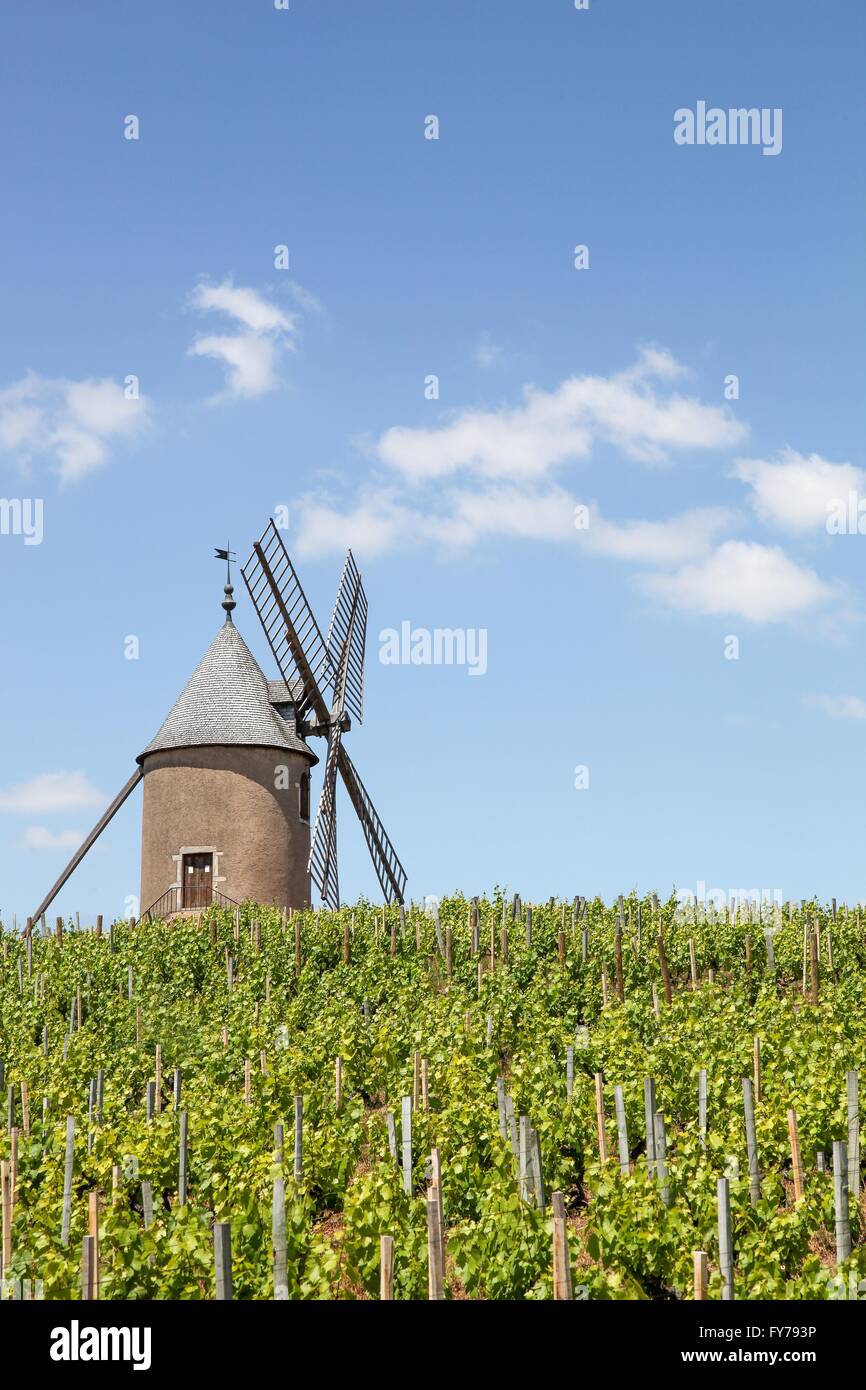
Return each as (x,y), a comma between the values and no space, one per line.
(347,635)
(310,666)
(389,870)
(293,634)
(323,855)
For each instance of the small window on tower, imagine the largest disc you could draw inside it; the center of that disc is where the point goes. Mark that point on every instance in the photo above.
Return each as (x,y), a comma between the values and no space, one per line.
(305,797)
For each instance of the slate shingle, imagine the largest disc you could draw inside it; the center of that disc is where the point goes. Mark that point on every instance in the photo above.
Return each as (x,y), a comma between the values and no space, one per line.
(228,701)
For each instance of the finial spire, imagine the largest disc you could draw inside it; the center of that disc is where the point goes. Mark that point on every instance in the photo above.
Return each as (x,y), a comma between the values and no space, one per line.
(228,602)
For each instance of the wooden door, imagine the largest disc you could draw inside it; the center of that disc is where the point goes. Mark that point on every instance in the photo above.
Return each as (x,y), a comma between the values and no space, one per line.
(197,874)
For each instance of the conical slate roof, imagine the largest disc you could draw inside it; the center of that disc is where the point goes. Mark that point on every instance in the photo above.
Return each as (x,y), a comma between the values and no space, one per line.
(227,701)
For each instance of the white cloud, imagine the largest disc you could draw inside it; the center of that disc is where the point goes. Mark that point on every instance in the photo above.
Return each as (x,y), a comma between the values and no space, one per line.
(504,510)
(51,791)
(741,579)
(71,423)
(304,298)
(488,353)
(553,427)
(664,543)
(250,356)
(37,837)
(793,491)
(375,525)
(838,706)
(247,306)
(504,458)
(379,522)
(250,361)
(488,473)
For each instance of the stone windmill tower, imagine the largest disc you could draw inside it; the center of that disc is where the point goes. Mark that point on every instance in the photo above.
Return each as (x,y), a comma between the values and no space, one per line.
(226,809)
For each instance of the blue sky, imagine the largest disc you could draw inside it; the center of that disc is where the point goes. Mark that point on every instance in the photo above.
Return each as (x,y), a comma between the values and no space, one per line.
(604,387)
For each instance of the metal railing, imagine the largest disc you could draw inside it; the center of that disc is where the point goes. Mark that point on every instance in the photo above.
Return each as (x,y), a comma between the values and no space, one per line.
(171,902)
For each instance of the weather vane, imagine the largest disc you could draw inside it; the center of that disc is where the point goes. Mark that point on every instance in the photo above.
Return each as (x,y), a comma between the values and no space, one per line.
(228,602)
(227,555)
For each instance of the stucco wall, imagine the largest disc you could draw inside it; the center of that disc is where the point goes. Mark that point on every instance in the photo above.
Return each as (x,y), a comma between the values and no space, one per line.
(225,799)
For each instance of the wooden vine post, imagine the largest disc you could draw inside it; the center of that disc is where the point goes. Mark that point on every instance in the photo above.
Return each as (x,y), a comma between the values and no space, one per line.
(435,1269)
(599,1117)
(663,964)
(796,1158)
(6,1202)
(699,1259)
(88,1271)
(620,978)
(561,1264)
(93,1233)
(386,1268)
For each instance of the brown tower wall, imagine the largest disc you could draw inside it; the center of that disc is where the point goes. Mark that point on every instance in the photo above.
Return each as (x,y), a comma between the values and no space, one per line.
(225,800)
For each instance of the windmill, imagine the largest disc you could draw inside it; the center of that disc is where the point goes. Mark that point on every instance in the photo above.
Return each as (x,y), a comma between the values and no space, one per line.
(213,811)
(314,666)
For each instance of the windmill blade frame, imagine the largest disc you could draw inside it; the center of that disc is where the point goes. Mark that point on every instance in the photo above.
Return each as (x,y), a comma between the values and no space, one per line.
(347,636)
(294,636)
(386,862)
(322,863)
(307,660)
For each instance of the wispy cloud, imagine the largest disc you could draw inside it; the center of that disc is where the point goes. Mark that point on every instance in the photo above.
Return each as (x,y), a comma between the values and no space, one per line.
(264,331)
(838,706)
(376,524)
(551,428)
(37,837)
(503,509)
(487,353)
(660,543)
(486,473)
(51,791)
(741,579)
(489,472)
(380,522)
(247,306)
(72,424)
(794,491)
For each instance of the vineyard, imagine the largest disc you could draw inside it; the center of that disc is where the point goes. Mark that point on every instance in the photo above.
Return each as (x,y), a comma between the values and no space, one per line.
(487,1100)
